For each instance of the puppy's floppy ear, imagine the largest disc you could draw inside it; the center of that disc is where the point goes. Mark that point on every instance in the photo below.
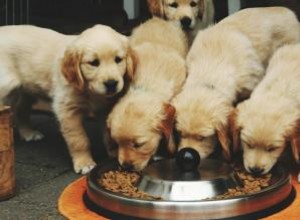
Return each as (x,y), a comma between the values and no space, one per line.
(167,125)
(234,131)
(225,132)
(156,7)
(295,141)
(71,69)
(131,62)
(223,136)
(201,6)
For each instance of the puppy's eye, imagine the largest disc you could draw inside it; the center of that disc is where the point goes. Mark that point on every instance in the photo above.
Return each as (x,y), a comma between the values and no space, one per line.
(118,59)
(137,145)
(174,5)
(95,62)
(245,143)
(200,138)
(251,147)
(193,4)
(271,149)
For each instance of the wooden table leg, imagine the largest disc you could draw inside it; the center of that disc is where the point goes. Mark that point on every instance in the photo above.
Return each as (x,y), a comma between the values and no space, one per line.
(7,157)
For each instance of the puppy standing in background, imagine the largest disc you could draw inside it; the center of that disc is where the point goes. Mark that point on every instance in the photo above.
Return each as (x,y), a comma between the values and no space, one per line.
(190,15)
(144,115)
(225,62)
(270,119)
(80,74)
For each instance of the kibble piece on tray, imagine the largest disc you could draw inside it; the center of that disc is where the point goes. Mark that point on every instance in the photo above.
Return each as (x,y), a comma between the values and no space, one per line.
(124,182)
(251,184)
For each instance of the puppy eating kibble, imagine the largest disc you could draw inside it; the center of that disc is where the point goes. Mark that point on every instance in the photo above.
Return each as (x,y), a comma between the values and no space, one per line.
(266,123)
(80,74)
(225,63)
(144,115)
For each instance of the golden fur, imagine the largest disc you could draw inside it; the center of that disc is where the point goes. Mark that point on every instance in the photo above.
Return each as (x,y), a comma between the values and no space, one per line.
(226,61)
(70,70)
(191,15)
(143,116)
(269,120)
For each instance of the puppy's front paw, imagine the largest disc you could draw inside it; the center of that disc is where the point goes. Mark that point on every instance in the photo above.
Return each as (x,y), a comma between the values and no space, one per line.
(31,135)
(83,165)
(299,177)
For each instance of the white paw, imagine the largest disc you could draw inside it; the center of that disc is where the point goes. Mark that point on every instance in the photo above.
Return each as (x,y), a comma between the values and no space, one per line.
(87,169)
(299,177)
(32,135)
(84,168)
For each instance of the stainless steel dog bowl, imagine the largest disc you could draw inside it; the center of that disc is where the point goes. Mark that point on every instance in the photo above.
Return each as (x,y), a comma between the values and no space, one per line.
(184,193)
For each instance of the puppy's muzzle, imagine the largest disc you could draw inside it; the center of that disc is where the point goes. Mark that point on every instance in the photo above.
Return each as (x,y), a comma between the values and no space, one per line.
(111,86)
(127,166)
(256,171)
(185,23)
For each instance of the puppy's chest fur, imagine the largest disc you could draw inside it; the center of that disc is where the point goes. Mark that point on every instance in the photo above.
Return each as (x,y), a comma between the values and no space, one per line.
(99,105)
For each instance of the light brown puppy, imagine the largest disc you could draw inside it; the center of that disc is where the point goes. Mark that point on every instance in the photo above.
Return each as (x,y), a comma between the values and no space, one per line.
(190,15)
(143,116)
(269,120)
(80,74)
(227,61)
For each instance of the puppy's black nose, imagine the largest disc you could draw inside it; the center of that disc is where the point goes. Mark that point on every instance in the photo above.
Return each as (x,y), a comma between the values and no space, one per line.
(185,22)
(127,166)
(256,171)
(111,85)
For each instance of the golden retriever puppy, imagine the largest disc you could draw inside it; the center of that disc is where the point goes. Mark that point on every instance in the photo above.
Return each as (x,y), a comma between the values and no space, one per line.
(226,61)
(190,15)
(269,120)
(143,115)
(80,74)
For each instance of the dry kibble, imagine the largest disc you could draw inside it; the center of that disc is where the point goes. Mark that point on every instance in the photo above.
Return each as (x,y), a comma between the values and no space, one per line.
(251,184)
(124,182)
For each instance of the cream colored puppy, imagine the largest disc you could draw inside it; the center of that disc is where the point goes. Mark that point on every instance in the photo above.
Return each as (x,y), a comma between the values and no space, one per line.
(269,120)
(143,116)
(225,62)
(80,74)
(190,15)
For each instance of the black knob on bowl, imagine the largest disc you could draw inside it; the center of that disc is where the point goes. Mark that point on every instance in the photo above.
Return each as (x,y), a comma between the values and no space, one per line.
(188,159)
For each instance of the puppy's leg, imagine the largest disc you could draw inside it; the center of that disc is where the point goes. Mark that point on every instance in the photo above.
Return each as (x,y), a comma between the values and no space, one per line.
(23,110)
(110,146)
(78,143)
(11,94)
(9,86)
(8,82)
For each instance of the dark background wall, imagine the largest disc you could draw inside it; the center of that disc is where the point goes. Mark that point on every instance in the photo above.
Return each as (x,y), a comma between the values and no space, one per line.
(292,4)
(72,16)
